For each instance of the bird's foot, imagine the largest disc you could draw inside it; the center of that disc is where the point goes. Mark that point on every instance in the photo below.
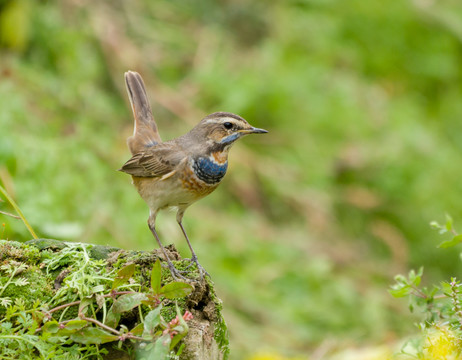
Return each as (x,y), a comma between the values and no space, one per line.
(192,261)
(176,274)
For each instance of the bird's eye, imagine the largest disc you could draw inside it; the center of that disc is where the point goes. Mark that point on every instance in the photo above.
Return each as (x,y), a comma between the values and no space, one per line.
(228,125)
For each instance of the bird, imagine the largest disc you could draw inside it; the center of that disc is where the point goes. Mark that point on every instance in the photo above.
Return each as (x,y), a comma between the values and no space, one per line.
(175,174)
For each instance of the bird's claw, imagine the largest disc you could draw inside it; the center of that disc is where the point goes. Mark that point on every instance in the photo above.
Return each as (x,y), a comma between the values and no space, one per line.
(202,271)
(176,274)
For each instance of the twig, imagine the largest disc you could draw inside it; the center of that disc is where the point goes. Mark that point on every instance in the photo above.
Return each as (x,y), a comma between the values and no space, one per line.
(11,215)
(79,301)
(18,210)
(122,336)
(64,306)
(100,324)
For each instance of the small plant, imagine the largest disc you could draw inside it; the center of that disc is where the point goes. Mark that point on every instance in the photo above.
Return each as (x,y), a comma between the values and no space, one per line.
(441,305)
(12,269)
(88,310)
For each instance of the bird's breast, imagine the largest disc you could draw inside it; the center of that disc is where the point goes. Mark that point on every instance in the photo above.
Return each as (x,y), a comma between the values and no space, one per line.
(210,169)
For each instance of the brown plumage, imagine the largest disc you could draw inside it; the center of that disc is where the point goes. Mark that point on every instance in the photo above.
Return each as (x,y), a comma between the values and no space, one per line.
(145,130)
(178,172)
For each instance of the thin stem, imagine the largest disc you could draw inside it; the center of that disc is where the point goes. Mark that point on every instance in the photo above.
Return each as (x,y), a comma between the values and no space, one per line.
(11,215)
(18,210)
(9,281)
(104,311)
(419,293)
(100,324)
(61,317)
(130,336)
(114,331)
(64,306)
(79,301)
(442,296)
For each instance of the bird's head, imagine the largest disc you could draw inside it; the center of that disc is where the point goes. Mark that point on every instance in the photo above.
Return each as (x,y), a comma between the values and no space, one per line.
(222,129)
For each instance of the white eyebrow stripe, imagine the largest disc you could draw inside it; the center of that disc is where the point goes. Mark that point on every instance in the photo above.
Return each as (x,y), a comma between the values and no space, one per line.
(223,120)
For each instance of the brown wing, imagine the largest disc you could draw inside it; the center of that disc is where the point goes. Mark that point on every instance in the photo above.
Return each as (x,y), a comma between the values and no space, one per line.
(154,162)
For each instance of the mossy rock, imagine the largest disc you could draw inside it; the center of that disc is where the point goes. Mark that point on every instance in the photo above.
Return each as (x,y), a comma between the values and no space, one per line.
(207,338)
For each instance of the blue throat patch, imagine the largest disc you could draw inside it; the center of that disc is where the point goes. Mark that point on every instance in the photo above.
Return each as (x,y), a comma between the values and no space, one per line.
(208,171)
(230,138)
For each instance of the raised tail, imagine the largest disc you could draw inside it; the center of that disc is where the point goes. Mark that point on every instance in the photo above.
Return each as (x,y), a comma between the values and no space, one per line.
(145,132)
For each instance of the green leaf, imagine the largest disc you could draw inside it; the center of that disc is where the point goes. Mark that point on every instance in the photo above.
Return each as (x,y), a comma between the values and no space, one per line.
(98,288)
(51,327)
(401,279)
(181,334)
(446,288)
(414,278)
(123,275)
(93,335)
(151,321)
(138,329)
(420,272)
(156,277)
(112,319)
(161,348)
(75,324)
(127,302)
(182,329)
(180,350)
(71,327)
(453,242)
(84,304)
(176,290)
(400,291)
(434,291)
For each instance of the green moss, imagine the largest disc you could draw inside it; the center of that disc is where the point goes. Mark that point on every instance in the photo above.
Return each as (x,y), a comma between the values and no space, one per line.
(220,333)
(182,265)
(168,311)
(42,244)
(119,264)
(13,250)
(38,287)
(140,257)
(71,312)
(75,268)
(100,252)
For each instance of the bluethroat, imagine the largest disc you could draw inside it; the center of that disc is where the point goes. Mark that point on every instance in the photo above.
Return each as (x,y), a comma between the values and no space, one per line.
(178,172)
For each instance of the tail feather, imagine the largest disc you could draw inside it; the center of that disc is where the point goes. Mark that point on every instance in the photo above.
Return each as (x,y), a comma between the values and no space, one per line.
(145,132)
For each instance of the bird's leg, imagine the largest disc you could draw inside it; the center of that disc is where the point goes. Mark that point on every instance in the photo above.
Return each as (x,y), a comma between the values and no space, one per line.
(194,259)
(175,273)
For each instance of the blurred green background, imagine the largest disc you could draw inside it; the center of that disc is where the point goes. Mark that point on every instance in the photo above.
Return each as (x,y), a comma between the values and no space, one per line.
(363,101)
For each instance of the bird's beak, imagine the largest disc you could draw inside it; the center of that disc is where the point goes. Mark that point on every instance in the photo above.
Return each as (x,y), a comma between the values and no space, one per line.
(254,130)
